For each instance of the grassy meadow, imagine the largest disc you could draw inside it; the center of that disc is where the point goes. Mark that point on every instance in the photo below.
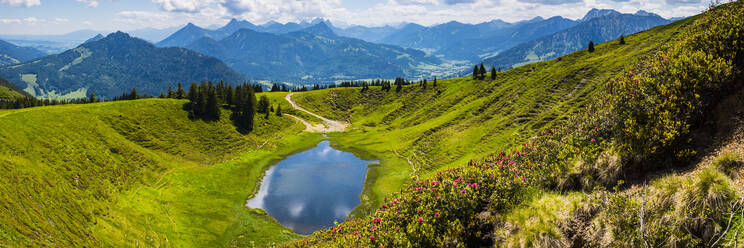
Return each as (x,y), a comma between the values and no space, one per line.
(137,173)
(418,131)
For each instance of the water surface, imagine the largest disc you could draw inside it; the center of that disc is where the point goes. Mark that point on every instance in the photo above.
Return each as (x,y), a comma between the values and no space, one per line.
(310,190)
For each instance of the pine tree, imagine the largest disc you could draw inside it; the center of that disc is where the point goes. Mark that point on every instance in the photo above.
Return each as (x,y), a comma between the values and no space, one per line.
(622,39)
(171,94)
(246,109)
(482,71)
(193,92)
(475,72)
(493,73)
(134,95)
(435,82)
(179,93)
(230,95)
(162,94)
(92,98)
(212,108)
(591,46)
(399,84)
(263,105)
(279,110)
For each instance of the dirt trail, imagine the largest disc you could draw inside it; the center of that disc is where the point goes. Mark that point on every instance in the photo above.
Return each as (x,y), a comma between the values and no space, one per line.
(330,125)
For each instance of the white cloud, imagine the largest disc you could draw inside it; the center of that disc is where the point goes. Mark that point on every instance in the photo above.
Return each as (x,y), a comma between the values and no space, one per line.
(416,2)
(280,10)
(21,3)
(10,21)
(190,6)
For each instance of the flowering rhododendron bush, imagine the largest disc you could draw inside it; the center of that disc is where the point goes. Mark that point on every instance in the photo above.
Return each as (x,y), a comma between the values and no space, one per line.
(649,109)
(655,105)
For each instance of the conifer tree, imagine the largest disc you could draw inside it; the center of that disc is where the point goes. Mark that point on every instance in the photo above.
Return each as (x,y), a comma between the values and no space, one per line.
(193,92)
(162,94)
(591,46)
(230,95)
(134,95)
(475,72)
(622,39)
(493,73)
(246,109)
(435,82)
(171,94)
(399,84)
(179,93)
(424,84)
(263,105)
(212,108)
(92,98)
(279,110)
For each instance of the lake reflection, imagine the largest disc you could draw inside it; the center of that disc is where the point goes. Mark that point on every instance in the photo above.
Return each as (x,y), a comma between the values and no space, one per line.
(309,190)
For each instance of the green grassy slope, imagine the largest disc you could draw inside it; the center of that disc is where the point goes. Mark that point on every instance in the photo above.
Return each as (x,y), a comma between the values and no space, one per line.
(135,173)
(444,126)
(8,91)
(645,127)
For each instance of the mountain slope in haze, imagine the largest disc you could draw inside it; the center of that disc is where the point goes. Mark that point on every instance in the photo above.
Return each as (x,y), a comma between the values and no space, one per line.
(192,33)
(315,54)
(12,54)
(95,38)
(370,34)
(600,29)
(51,44)
(460,41)
(114,65)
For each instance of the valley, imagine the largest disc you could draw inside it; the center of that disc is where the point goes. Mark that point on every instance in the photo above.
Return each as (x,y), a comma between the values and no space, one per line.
(635,140)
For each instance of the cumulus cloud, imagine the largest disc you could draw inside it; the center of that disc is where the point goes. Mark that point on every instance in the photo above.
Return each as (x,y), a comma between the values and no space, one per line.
(91,3)
(190,6)
(280,10)
(453,2)
(21,3)
(10,21)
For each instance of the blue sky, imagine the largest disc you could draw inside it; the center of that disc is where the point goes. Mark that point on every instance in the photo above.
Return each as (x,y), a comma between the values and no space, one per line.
(62,16)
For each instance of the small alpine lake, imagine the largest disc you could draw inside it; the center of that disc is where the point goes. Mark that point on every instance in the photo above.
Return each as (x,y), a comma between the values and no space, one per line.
(310,190)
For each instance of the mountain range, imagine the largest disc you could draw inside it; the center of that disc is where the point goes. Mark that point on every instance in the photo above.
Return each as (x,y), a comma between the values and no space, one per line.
(599,26)
(305,52)
(192,33)
(313,54)
(113,65)
(474,42)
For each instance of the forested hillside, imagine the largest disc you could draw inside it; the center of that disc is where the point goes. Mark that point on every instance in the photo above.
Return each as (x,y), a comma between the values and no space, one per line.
(114,65)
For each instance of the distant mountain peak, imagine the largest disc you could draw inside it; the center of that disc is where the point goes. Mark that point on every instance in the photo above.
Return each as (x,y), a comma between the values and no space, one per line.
(645,13)
(118,35)
(320,29)
(594,13)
